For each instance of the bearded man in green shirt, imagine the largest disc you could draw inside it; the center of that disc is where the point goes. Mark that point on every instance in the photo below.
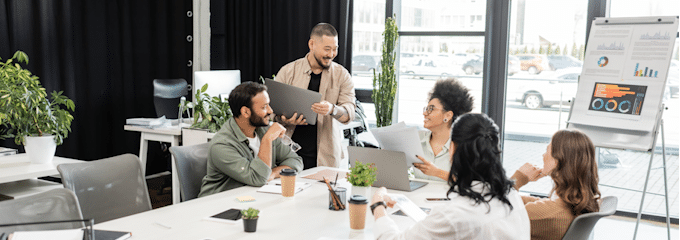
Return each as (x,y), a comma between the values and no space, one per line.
(246,150)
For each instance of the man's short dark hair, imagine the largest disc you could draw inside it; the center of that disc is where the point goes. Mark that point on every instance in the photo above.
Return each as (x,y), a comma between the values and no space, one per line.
(323,29)
(242,95)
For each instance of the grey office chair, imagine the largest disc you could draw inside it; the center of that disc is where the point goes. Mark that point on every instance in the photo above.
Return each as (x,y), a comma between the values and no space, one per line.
(109,188)
(166,95)
(54,205)
(582,226)
(191,163)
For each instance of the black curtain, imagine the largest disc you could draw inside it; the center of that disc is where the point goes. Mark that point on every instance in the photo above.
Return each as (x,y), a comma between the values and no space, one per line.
(259,37)
(104,55)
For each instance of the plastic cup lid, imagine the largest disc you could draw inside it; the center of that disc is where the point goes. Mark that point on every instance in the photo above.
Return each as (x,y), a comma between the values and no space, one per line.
(358,199)
(288,172)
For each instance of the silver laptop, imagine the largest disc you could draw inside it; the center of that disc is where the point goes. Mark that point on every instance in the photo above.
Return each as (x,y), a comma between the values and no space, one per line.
(392,168)
(287,99)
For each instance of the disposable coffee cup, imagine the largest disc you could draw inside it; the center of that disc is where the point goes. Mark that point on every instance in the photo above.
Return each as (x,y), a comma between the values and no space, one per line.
(288,182)
(357,211)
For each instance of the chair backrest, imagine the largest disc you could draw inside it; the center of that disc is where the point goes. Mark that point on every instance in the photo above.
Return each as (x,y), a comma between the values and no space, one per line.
(166,95)
(191,163)
(109,188)
(583,225)
(53,205)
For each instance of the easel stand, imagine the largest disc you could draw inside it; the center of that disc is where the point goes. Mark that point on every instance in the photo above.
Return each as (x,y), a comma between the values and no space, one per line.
(659,128)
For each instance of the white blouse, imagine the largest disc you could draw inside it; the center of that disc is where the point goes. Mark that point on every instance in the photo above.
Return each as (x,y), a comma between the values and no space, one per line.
(461,218)
(442,160)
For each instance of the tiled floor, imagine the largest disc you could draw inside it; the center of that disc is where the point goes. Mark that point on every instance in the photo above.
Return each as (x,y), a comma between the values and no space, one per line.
(623,228)
(624,180)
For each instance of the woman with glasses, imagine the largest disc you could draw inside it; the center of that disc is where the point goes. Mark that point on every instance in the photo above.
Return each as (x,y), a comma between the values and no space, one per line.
(447,101)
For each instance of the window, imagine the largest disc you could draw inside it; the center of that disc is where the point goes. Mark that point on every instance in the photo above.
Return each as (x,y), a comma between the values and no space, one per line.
(537,94)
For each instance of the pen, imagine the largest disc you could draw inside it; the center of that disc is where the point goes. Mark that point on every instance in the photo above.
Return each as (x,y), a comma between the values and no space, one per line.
(336,179)
(162,225)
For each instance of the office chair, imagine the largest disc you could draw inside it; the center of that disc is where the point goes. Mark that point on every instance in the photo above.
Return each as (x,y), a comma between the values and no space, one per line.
(582,226)
(166,95)
(109,188)
(53,205)
(191,163)
(353,134)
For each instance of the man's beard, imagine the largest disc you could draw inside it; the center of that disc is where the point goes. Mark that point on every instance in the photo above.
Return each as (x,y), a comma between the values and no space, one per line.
(321,63)
(257,121)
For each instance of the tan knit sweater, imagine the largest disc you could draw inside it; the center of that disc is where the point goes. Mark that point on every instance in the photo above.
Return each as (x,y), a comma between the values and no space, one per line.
(550,219)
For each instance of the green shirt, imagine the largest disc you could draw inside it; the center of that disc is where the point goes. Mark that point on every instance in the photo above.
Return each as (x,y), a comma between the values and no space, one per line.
(232,164)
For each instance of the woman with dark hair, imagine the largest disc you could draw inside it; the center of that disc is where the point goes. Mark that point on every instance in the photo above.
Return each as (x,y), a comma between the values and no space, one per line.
(448,100)
(483,203)
(570,161)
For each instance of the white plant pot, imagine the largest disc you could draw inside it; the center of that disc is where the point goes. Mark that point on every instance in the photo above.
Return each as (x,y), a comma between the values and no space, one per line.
(40,150)
(364,191)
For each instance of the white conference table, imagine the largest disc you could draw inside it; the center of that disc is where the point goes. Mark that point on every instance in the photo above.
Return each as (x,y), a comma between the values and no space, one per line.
(304,216)
(18,176)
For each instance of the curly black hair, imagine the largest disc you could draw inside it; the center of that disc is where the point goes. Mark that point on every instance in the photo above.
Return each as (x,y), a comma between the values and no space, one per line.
(453,95)
(477,158)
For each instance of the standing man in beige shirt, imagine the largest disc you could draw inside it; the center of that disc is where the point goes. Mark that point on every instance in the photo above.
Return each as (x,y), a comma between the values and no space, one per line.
(321,143)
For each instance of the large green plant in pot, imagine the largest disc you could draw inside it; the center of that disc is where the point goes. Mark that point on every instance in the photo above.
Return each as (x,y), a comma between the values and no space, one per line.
(385,82)
(209,112)
(26,113)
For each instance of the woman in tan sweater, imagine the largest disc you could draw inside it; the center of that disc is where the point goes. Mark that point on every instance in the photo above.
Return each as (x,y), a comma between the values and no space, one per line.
(570,161)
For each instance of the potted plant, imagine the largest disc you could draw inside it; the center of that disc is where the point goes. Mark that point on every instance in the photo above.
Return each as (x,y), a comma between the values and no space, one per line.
(250,217)
(27,115)
(385,83)
(209,112)
(362,176)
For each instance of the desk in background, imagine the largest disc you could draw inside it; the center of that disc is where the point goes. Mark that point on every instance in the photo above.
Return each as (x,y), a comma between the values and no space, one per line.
(304,216)
(167,135)
(18,176)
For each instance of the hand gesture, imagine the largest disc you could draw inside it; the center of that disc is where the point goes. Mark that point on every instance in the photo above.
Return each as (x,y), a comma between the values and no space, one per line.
(427,167)
(381,195)
(531,171)
(294,120)
(323,107)
(276,130)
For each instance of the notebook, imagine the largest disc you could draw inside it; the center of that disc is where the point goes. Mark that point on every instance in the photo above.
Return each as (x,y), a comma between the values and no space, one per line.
(275,187)
(111,235)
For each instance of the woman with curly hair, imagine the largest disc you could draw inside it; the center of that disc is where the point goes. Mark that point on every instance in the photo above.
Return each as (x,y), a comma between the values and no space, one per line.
(483,203)
(570,161)
(447,101)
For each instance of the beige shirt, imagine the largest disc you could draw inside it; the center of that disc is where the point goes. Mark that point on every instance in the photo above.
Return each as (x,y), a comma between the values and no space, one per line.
(337,88)
(550,217)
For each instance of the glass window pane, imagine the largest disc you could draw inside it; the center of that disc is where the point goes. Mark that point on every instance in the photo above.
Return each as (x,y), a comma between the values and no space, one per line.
(546,44)
(369,24)
(423,60)
(442,15)
(634,164)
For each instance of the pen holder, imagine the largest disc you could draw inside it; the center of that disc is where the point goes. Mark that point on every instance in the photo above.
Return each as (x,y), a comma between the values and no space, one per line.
(342,194)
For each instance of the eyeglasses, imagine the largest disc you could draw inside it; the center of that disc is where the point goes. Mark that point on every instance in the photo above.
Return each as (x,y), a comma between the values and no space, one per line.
(427,110)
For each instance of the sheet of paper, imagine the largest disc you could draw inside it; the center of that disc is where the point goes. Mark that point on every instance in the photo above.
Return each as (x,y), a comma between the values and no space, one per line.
(408,207)
(402,139)
(69,234)
(274,186)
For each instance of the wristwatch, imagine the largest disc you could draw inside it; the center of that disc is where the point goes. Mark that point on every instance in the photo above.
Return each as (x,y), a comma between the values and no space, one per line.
(334,112)
(375,205)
